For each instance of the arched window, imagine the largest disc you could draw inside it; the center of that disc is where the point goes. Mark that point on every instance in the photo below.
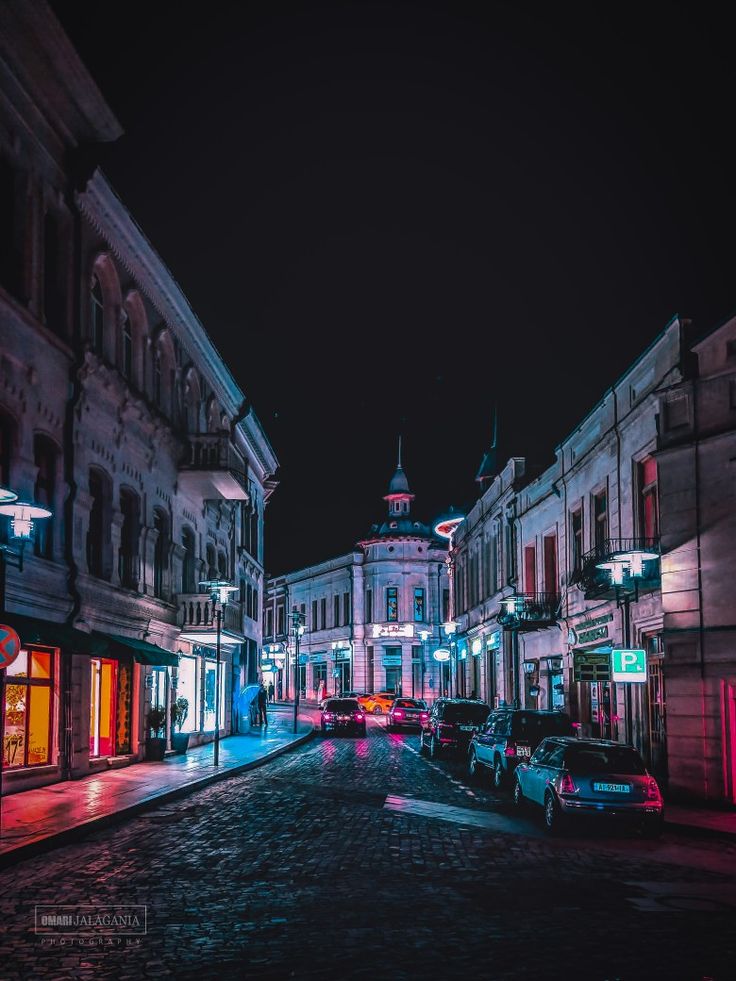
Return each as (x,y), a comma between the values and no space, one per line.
(130,534)
(161,554)
(45,457)
(157,391)
(10,264)
(53,286)
(97,317)
(126,353)
(99,537)
(7,434)
(211,562)
(188,572)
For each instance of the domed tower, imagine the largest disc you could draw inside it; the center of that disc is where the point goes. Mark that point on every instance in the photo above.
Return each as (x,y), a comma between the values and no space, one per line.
(399,496)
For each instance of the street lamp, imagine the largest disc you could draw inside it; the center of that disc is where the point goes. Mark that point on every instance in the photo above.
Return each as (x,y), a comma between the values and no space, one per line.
(297,627)
(219,590)
(21,514)
(424,637)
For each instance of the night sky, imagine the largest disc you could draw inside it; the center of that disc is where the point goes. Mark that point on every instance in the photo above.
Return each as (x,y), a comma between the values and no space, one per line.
(390,216)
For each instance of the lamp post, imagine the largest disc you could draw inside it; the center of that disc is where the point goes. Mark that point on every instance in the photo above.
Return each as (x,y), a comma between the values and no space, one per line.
(219,590)
(424,637)
(297,625)
(445,527)
(22,515)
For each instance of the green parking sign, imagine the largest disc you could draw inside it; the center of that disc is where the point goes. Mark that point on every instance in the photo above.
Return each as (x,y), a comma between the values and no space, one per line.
(629,666)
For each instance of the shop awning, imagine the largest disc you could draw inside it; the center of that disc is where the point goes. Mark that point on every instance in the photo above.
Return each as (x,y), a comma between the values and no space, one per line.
(34,631)
(142,651)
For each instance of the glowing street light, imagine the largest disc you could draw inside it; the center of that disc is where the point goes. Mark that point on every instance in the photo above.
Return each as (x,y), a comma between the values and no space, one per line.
(219,590)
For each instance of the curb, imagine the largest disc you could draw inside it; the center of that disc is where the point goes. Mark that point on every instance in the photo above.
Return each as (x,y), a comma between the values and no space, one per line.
(71,835)
(698,830)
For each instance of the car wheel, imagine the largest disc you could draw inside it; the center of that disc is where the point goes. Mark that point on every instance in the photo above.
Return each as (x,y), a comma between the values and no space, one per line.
(519,799)
(389,727)
(498,774)
(363,732)
(475,769)
(323,730)
(652,827)
(422,746)
(378,710)
(434,748)
(553,819)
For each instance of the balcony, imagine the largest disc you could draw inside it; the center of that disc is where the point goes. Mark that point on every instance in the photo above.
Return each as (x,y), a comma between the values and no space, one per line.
(212,469)
(529,611)
(631,565)
(198,623)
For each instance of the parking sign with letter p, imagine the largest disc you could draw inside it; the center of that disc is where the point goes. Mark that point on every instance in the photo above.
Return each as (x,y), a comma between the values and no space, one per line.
(629,666)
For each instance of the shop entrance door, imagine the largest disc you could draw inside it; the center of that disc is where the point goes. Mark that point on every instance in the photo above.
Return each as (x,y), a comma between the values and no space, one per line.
(342,677)
(103,699)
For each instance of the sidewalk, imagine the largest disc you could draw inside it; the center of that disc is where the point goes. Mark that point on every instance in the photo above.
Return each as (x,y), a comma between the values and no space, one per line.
(686,817)
(37,820)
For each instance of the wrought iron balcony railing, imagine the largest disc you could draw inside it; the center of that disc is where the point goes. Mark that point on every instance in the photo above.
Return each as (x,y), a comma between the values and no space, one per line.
(638,565)
(529,611)
(214,468)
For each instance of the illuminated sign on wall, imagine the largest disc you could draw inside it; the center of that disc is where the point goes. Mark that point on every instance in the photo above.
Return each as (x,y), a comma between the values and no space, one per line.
(629,666)
(393,629)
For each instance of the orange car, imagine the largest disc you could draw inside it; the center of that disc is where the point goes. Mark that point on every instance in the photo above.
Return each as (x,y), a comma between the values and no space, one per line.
(378,703)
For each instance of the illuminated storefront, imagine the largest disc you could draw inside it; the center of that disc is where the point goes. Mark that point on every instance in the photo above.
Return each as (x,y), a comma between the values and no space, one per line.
(110,707)
(29,709)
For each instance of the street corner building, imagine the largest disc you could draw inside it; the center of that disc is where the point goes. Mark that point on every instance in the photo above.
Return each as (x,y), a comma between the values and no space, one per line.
(624,543)
(372,617)
(119,416)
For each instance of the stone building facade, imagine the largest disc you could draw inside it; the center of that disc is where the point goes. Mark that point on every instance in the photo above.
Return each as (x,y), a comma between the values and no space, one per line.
(532,605)
(118,414)
(372,617)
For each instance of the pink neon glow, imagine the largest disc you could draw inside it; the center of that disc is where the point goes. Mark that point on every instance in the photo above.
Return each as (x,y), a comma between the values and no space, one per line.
(510,750)
(424,716)
(398,714)
(358,717)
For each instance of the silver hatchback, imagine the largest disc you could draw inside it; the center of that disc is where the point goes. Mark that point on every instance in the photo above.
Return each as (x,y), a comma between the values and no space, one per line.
(593,777)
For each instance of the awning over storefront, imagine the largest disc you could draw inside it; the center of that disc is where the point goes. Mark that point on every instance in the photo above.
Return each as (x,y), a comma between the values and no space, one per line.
(142,651)
(50,634)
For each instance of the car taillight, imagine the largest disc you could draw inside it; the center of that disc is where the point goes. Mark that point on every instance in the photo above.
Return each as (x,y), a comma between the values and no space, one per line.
(329,715)
(652,790)
(567,784)
(424,716)
(398,714)
(358,716)
(511,749)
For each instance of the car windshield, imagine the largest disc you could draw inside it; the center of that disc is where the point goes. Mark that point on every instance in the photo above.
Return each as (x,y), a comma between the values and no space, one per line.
(470,714)
(342,705)
(587,760)
(533,727)
(408,703)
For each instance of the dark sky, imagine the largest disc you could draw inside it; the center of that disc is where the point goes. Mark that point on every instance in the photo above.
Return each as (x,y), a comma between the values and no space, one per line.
(390,215)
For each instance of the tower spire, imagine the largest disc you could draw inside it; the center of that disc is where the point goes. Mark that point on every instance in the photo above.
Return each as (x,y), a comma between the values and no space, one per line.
(488,465)
(399,463)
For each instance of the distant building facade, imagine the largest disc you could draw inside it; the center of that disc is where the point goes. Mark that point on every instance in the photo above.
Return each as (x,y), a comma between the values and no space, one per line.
(118,414)
(372,617)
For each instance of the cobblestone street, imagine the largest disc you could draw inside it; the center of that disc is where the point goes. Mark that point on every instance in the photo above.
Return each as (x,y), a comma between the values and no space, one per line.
(323,864)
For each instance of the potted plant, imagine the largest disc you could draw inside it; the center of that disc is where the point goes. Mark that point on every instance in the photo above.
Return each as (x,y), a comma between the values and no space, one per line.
(156,741)
(179,713)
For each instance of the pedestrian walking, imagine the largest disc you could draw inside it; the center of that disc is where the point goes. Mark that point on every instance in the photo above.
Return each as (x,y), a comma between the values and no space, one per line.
(270,691)
(280,690)
(262,705)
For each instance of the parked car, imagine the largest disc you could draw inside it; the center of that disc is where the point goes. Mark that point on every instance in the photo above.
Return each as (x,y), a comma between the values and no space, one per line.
(510,736)
(451,724)
(378,703)
(593,777)
(343,715)
(407,712)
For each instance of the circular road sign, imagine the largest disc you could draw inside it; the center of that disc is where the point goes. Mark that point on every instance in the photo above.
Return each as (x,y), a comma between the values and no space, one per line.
(9,645)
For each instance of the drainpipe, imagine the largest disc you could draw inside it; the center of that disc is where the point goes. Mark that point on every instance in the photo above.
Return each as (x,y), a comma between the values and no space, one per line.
(701,618)
(72,404)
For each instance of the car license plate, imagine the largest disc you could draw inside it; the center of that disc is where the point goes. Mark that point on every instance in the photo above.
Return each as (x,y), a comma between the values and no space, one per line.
(523,750)
(468,728)
(612,788)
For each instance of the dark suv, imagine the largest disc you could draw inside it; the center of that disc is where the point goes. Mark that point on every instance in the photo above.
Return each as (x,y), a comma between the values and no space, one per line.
(452,723)
(509,737)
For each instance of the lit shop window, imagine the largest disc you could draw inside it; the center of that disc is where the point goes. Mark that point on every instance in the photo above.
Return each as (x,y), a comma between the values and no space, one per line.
(210,673)
(28,710)
(188,689)
(392,604)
